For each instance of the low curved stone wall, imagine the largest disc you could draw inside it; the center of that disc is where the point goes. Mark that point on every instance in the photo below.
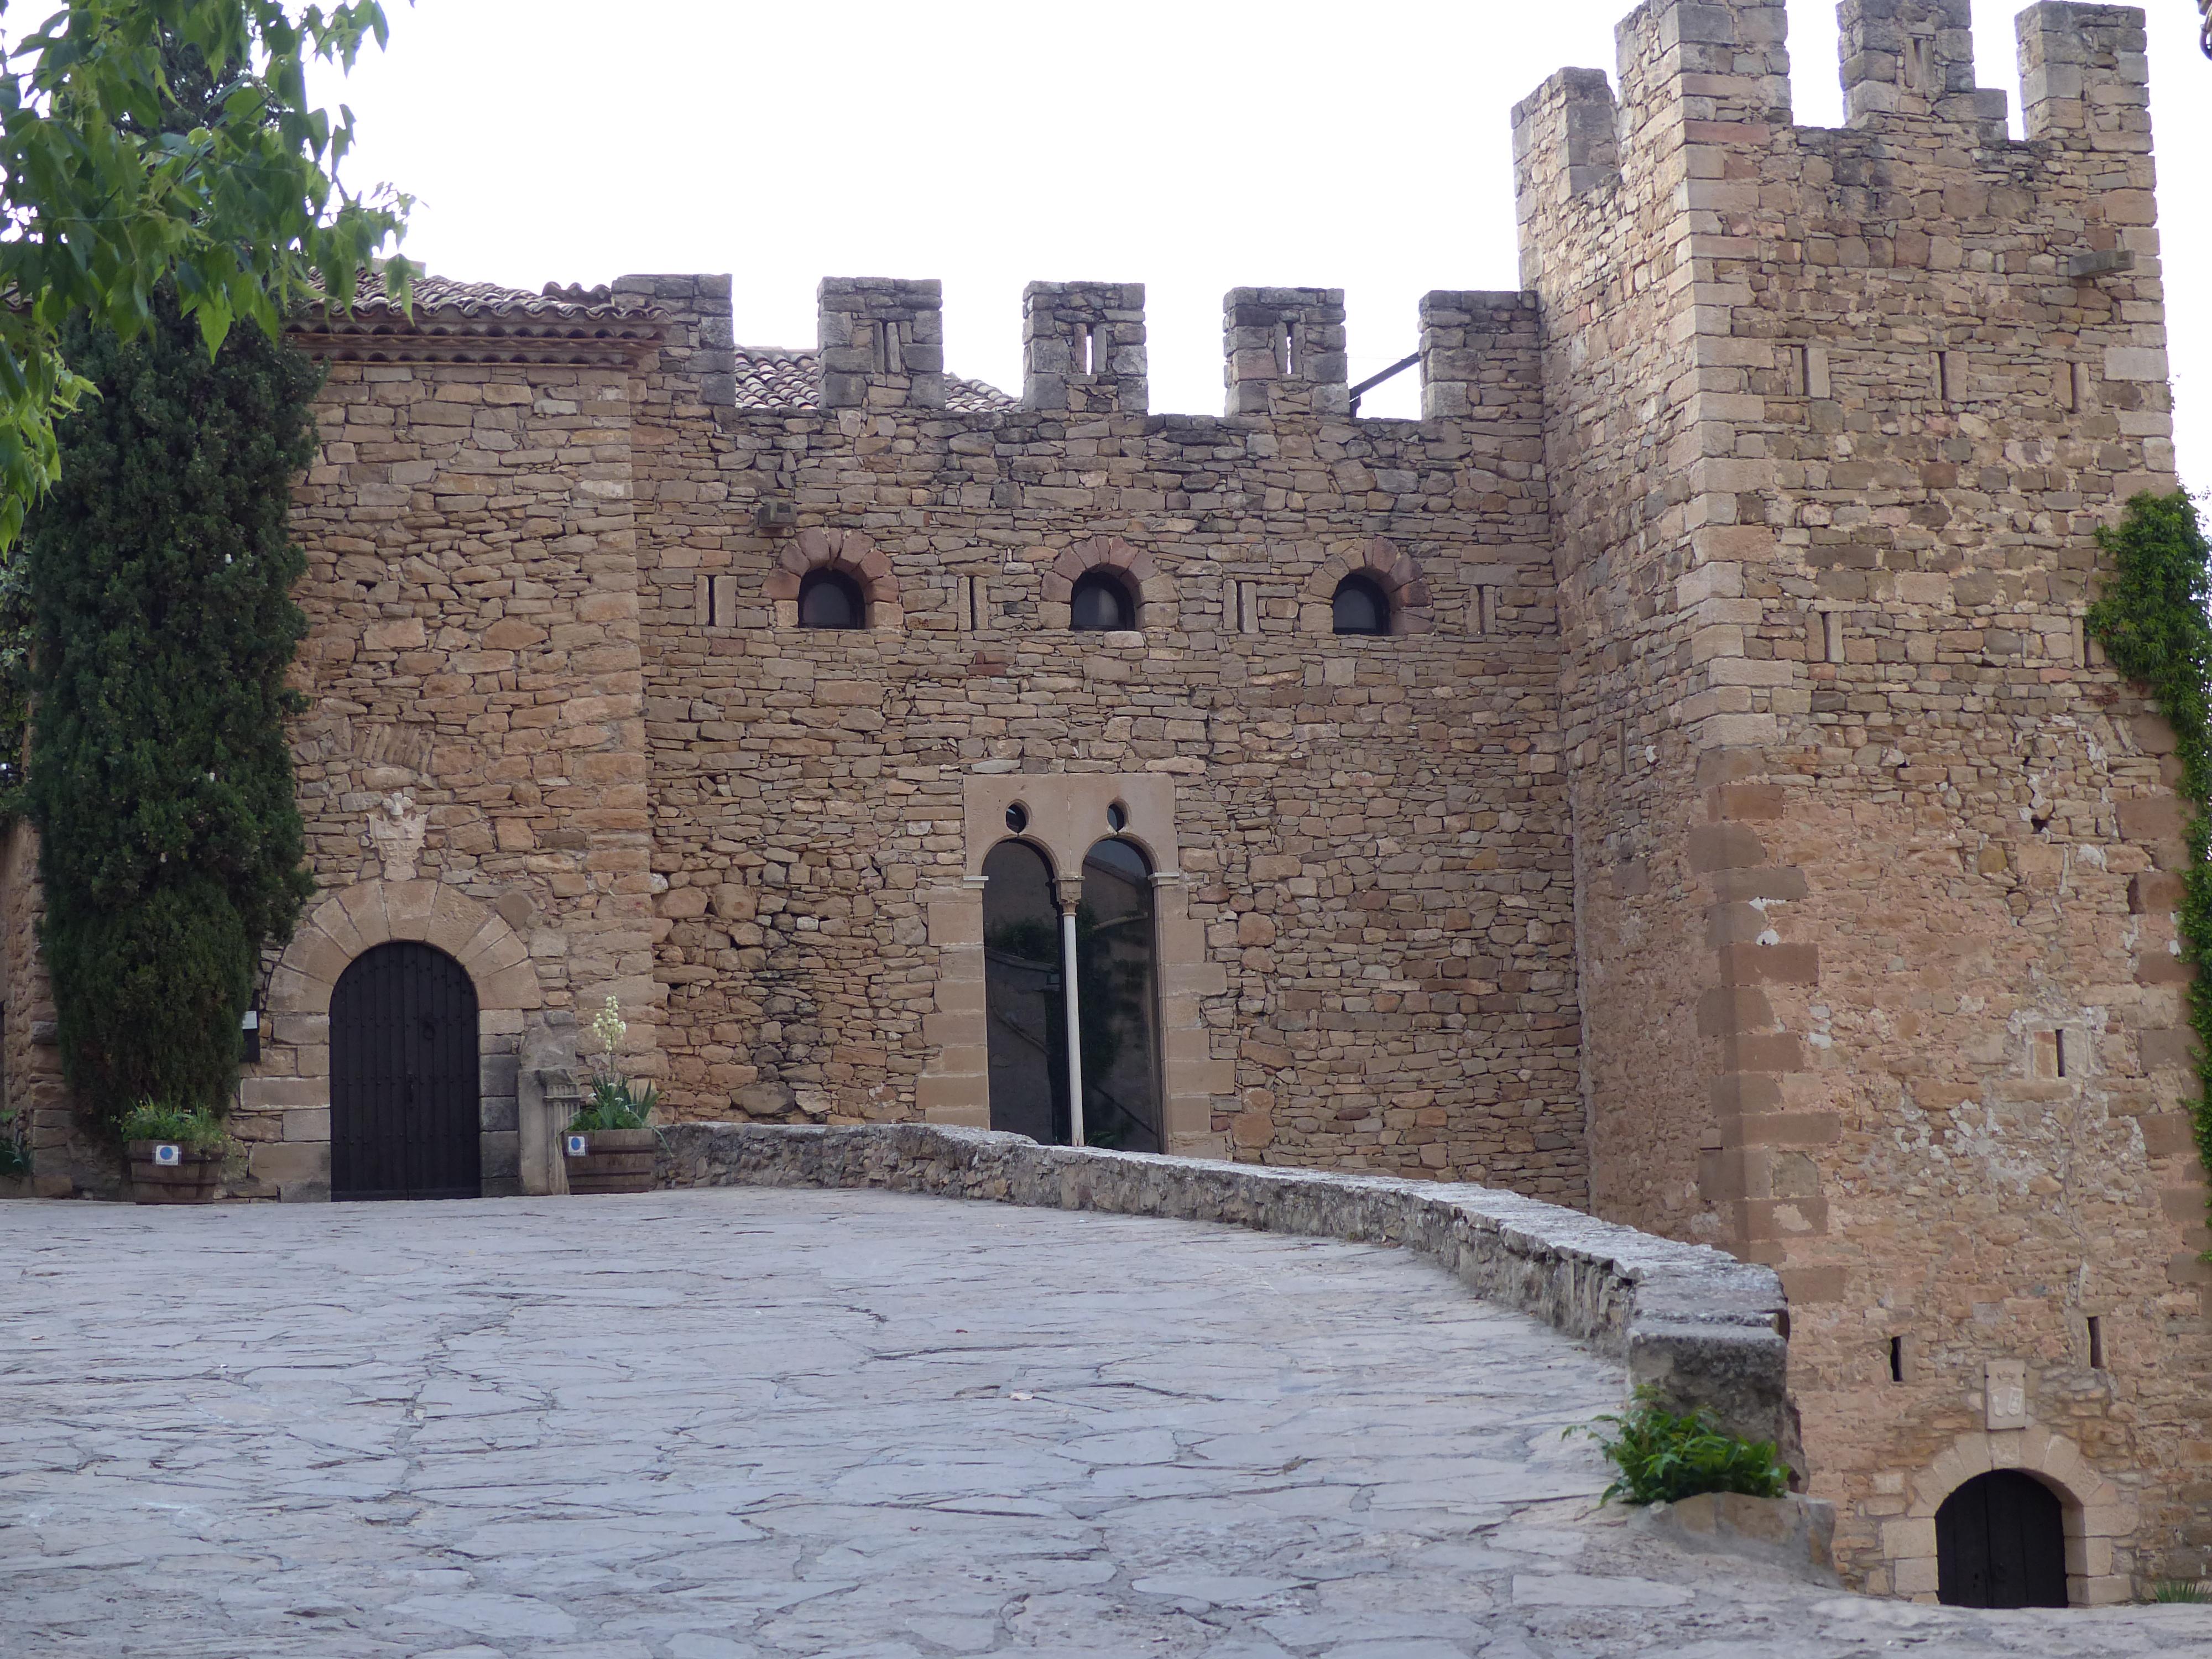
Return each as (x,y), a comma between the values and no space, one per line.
(1701,1326)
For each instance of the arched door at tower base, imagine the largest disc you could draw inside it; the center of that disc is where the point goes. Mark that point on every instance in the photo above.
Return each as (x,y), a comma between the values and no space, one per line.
(2001,1543)
(405,1109)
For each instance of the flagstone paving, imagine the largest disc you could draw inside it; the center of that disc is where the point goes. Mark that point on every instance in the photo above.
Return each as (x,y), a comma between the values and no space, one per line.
(744,1422)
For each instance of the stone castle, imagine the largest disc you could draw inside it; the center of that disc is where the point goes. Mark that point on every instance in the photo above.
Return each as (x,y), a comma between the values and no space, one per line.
(1669,777)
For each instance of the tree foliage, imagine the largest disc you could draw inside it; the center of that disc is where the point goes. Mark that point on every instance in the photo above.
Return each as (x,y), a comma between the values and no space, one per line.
(159,573)
(2152,622)
(105,198)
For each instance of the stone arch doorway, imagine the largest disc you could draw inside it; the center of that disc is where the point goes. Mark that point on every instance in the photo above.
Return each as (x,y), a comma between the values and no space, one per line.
(405,1077)
(2001,1543)
(2096,1513)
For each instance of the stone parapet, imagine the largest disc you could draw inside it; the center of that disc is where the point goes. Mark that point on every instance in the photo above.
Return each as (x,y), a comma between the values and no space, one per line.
(1481,356)
(882,342)
(1284,351)
(1698,1327)
(1082,348)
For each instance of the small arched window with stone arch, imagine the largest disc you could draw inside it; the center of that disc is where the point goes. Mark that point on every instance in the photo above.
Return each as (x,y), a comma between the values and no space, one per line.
(1102,584)
(1368,588)
(830,598)
(834,579)
(1359,606)
(1101,604)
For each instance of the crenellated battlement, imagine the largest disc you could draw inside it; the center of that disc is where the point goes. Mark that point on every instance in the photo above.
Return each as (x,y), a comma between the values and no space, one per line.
(1083,349)
(882,342)
(1704,72)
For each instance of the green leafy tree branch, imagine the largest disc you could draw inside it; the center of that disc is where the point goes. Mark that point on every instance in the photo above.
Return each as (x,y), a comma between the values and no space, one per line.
(105,197)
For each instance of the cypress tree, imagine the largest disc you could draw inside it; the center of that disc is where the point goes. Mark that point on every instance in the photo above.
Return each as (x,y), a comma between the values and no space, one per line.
(158,577)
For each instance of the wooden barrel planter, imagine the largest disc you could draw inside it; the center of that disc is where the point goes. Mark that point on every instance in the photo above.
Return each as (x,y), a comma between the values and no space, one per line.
(191,1178)
(612,1161)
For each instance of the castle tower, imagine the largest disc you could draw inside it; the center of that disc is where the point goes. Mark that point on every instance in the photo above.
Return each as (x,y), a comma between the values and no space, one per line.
(1873,856)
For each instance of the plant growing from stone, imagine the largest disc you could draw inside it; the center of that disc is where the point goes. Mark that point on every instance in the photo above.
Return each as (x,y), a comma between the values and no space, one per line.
(1664,1457)
(614,1101)
(2151,620)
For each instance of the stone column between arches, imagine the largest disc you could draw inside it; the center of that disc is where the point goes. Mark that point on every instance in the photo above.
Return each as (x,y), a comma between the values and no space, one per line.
(1067,814)
(283,1115)
(2098,1513)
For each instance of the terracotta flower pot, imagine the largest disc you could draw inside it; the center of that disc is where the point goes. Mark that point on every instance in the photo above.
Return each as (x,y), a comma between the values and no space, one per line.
(613,1161)
(192,1179)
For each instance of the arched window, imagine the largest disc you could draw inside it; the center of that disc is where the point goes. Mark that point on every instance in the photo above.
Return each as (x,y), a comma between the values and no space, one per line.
(2001,1543)
(1024,1005)
(1361,606)
(830,598)
(1117,985)
(1101,603)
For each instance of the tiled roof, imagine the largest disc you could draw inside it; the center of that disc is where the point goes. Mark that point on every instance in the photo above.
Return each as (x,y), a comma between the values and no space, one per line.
(443,296)
(483,322)
(471,321)
(771,378)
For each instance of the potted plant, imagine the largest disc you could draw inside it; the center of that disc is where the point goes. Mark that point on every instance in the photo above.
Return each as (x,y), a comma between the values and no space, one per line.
(176,1154)
(14,1161)
(610,1142)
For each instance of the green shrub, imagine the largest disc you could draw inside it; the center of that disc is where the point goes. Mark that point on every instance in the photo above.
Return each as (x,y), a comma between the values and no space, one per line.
(615,1104)
(1663,1457)
(199,1130)
(2180,1590)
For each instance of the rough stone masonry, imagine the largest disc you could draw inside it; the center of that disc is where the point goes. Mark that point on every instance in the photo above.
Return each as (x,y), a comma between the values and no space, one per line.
(1731,834)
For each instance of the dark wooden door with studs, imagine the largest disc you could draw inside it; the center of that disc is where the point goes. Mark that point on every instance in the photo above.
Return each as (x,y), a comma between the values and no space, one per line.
(404,1079)
(2001,1543)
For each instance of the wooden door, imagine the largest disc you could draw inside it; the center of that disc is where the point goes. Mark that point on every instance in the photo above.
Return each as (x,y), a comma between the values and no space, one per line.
(404,1079)
(2001,1543)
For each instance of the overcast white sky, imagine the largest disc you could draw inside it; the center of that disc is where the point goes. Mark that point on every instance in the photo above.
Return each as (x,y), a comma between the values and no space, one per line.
(1193,146)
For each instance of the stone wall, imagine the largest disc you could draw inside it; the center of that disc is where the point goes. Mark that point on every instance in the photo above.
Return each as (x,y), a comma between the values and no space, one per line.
(472,765)
(1372,837)
(1872,849)
(1691,1323)
(64,1158)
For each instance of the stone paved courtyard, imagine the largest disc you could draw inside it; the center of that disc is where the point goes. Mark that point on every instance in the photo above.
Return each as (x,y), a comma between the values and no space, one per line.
(737,1423)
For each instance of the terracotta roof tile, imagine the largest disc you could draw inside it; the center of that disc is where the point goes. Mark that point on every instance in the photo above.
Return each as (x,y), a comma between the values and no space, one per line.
(772,377)
(444,296)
